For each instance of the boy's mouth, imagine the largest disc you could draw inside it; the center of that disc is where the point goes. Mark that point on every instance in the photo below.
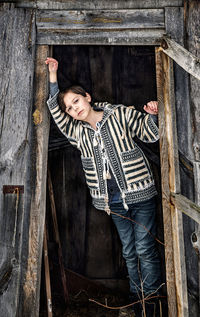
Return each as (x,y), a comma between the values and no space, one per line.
(80,112)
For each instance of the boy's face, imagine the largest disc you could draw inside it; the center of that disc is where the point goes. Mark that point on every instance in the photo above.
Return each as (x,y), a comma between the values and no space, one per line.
(77,106)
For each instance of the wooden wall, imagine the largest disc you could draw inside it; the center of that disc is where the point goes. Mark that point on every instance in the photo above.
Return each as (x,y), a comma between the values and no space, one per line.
(16,147)
(189,144)
(22,144)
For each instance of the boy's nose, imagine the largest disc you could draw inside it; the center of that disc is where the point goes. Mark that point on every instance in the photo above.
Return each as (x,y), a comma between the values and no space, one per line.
(75,107)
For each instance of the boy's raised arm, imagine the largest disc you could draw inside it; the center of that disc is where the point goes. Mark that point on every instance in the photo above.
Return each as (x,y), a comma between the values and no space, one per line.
(53,67)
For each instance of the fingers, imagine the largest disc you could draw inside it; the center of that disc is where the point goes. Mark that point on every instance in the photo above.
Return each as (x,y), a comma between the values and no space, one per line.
(51,60)
(151,107)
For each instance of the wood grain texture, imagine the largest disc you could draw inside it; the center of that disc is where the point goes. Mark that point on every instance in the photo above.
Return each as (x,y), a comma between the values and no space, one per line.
(189,62)
(47,274)
(38,204)
(17,68)
(174,24)
(193,45)
(100,37)
(196,168)
(171,183)
(183,27)
(102,27)
(169,256)
(186,206)
(103,4)
(100,19)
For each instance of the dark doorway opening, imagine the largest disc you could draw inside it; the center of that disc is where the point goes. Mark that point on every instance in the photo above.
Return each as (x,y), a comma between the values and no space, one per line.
(90,244)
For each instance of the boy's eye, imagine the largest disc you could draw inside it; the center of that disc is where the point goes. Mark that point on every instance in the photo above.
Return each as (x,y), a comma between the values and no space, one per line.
(69,108)
(76,100)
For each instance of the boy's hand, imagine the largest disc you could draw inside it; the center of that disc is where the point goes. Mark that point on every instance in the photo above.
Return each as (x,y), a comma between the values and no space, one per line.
(151,107)
(53,67)
(52,63)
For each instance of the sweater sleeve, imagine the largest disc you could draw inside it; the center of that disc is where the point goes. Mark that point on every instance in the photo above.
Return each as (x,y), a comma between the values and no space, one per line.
(53,88)
(66,124)
(142,125)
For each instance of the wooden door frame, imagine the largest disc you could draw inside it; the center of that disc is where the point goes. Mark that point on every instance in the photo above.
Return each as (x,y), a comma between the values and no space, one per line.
(171,198)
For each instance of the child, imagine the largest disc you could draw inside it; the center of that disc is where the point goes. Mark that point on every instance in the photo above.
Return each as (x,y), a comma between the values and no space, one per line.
(117,171)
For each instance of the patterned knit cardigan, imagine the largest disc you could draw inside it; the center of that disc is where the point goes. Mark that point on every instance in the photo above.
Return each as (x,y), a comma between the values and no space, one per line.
(111,146)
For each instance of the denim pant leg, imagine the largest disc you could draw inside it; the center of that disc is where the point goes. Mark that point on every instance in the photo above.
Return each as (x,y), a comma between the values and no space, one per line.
(137,244)
(144,213)
(125,230)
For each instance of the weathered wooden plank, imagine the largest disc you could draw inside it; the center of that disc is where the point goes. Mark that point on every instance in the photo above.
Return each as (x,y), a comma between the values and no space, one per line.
(16,68)
(176,29)
(193,31)
(100,37)
(169,258)
(47,274)
(100,19)
(174,185)
(174,24)
(38,203)
(192,28)
(96,4)
(189,62)
(186,206)
(169,164)
(196,168)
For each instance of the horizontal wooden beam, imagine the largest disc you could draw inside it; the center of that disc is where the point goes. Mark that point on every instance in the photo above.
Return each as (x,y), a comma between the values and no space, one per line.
(100,37)
(100,19)
(186,206)
(96,4)
(182,57)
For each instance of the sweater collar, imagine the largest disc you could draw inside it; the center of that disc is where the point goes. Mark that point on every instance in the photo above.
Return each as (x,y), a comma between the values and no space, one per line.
(107,109)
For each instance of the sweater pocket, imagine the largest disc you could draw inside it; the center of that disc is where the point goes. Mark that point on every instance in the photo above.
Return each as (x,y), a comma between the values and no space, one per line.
(135,166)
(90,172)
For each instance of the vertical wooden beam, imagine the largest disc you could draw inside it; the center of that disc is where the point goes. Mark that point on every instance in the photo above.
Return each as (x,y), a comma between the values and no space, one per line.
(173,227)
(38,203)
(169,260)
(47,274)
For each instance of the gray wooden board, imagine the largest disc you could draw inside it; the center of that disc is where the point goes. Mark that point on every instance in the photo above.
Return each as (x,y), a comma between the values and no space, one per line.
(174,18)
(164,156)
(187,206)
(96,4)
(31,282)
(16,67)
(100,37)
(100,19)
(193,45)
(183,57)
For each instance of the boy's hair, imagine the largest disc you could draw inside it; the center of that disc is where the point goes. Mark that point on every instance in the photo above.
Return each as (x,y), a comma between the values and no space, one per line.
(75,89)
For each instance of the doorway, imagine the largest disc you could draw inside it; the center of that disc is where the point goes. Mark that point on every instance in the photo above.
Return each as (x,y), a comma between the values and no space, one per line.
(118,74)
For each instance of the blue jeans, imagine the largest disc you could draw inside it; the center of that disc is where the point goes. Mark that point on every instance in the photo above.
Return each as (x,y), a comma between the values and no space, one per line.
(139,249)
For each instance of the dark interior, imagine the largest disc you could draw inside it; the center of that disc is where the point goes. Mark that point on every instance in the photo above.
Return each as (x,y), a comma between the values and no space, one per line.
(90,245)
